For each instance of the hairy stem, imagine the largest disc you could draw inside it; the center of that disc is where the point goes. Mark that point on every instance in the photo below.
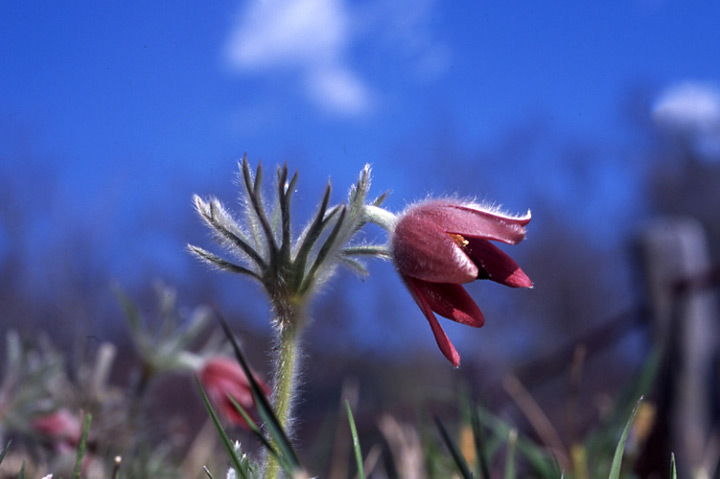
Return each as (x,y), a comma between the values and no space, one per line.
(286,366)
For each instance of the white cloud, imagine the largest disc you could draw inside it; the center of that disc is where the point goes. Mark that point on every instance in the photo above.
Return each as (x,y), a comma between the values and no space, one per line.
(689,107)
(338,90)
(288,32)
(691,110)
(307,36)
(312,39)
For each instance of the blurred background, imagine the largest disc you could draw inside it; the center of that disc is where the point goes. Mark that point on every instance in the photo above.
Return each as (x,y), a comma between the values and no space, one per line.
(601,119)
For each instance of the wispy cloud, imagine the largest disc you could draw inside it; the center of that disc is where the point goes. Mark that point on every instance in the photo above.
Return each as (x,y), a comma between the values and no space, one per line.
(689,105)
(311,38)
(692,111)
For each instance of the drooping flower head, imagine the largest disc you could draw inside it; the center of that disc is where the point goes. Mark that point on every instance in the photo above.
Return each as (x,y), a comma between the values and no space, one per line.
(222,378)
(62,427)
(438,245)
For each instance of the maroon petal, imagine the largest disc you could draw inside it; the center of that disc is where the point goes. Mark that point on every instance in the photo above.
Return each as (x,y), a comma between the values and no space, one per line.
(441,338)
(495,265)
(450,301)
(423,249)
(472,220)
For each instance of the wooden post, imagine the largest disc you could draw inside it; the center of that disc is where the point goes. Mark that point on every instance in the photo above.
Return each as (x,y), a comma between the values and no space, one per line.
(685,325)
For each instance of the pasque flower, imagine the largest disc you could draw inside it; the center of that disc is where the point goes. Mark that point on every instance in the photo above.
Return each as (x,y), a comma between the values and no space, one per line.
(223,378)
(438,245)
(60,426)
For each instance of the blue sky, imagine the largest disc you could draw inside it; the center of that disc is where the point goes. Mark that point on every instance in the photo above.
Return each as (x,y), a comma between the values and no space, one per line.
(129,107)
(177,83)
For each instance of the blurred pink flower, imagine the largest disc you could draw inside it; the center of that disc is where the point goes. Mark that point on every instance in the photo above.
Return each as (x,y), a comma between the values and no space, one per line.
(223,377)
(438,245)
(62,427)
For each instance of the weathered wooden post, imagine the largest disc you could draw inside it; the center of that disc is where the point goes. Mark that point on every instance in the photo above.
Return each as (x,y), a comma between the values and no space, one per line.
(675,252)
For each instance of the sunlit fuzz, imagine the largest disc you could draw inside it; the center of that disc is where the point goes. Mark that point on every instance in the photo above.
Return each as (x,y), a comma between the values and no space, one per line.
(438,245)
(223,378)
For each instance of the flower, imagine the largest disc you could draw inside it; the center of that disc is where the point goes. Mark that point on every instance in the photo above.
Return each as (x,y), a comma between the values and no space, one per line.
(437,245)
(62,427)
(222,377)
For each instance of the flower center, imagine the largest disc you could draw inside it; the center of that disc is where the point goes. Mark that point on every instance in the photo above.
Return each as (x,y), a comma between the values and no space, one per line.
(459,240)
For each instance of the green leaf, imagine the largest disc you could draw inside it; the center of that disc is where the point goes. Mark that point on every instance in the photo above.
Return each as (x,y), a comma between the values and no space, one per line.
(221,263)
(324,251)
(284,200)
(672,463)
(237,462)
(543,465)
(367,250)
(254,427)
(4,451)
(356,266)
(131,312)
(81,447)
(207,472)
(380,199)
(510,460)
(619,450)
(223,233)
(311,236)
(356,442)
(116,467)
(454,451)
(266,412)
(257,205)
(482,461)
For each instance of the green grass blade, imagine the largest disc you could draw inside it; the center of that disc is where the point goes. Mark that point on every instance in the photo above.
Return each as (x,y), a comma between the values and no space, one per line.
(237,463)
(454,451)
(81,447)
(539,461)
(672,463)
(620,449)
(264,408)
(356,442)
(4,451)
(21,474)
(116,467)
(207,472)
(510,472)
(286,457)
(483,467)
(254,427)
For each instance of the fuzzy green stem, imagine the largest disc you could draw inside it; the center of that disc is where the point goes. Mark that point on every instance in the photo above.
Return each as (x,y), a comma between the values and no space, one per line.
(380,216)
(286,368)
(285,375)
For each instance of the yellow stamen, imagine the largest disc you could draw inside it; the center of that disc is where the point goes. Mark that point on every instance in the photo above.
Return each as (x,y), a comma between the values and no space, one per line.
(459,240)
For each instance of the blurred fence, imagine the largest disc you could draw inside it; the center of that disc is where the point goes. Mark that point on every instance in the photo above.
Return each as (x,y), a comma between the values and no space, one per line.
(684,307)
(681,314)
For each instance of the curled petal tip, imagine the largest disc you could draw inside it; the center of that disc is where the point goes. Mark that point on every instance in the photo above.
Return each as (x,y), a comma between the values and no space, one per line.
(518,280)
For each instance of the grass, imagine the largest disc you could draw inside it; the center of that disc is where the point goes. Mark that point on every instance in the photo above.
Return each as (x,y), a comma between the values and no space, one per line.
(119,436)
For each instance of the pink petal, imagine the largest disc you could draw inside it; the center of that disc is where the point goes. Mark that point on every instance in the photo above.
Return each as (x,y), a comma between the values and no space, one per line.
(441,338)
(495,265)
(469,220)
(450,301)
(423,249)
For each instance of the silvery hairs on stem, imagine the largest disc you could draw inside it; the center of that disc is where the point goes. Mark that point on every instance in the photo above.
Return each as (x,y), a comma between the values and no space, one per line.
(289,268)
